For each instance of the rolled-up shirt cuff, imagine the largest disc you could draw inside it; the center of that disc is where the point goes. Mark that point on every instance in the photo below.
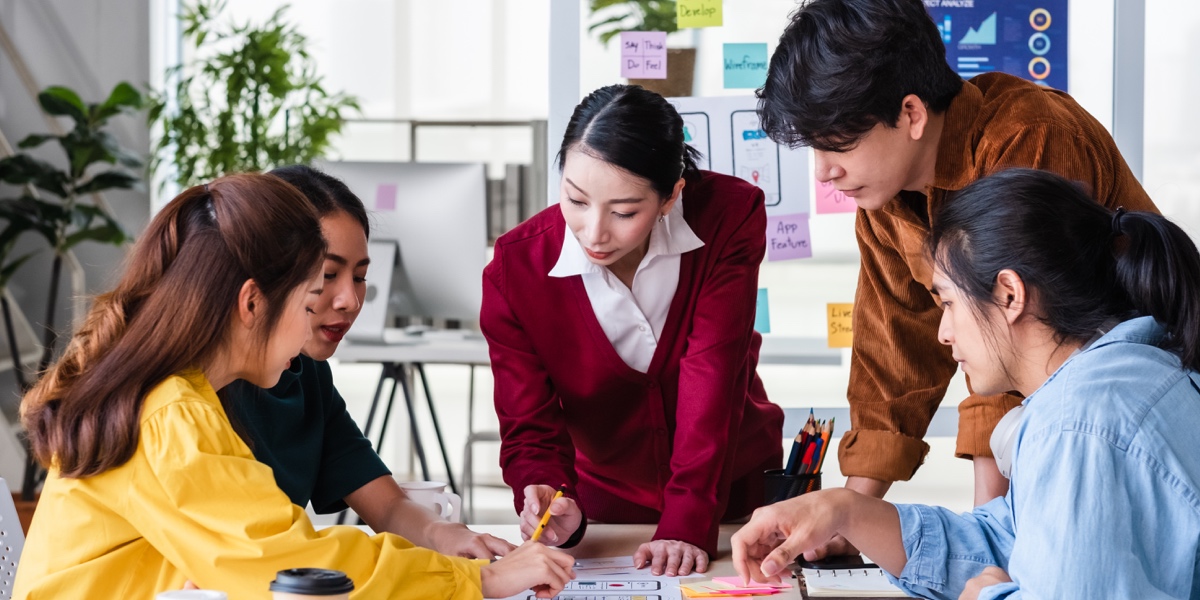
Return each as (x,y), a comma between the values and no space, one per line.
(925,548)
(1000,591)
(977,417)
(882,455)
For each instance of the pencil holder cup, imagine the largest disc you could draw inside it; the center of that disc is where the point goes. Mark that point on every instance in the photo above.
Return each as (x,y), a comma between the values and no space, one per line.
(781,486)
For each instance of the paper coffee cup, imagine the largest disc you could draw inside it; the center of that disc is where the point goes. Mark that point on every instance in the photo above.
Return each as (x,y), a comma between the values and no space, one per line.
(307,584)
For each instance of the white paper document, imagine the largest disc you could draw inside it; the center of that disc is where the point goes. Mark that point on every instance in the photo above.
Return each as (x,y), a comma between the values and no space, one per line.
(613,579)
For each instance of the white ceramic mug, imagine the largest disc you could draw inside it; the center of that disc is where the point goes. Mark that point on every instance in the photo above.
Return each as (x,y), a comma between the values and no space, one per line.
(433,494)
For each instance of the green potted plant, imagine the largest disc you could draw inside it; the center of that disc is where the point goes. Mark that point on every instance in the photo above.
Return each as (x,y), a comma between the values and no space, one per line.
(648,15)
(52,204)
(250,101)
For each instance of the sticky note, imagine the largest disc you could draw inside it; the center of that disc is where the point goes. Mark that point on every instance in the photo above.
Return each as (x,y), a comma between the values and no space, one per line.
(736,581)
(762,313)
(745,66)
(385,197)
(699,13)
(841,331)
(788,237)
(830,200)
(644,54)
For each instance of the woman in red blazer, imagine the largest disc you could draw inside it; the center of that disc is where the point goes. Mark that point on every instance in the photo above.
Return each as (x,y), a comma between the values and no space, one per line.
(620,326)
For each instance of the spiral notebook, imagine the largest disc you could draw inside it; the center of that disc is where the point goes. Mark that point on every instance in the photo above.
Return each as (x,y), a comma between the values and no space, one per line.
(849,583)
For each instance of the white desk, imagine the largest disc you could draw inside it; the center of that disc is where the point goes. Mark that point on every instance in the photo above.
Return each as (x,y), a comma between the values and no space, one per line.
(419,349)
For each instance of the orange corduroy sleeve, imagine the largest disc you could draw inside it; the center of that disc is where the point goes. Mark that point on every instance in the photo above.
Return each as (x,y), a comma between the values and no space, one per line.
(898,369)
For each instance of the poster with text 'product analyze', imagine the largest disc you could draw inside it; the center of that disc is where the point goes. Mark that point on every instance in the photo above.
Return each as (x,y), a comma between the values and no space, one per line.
(1026,38)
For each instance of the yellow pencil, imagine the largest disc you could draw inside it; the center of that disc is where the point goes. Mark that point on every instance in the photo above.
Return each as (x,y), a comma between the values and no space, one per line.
(537,533)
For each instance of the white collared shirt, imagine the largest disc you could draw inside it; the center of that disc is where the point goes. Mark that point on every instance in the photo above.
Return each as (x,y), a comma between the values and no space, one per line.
(633,319)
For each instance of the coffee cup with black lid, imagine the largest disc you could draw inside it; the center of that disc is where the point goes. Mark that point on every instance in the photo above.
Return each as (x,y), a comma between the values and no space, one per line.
(310,584)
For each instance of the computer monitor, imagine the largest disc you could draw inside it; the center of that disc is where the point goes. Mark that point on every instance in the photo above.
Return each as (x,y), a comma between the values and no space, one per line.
(437,215)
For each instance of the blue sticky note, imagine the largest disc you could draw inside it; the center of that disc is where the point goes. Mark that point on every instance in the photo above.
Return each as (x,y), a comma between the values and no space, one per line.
(745,65)
(762,313)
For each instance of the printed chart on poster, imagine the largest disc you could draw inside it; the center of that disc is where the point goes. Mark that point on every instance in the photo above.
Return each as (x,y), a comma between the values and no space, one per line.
(1019,37)
(726,130)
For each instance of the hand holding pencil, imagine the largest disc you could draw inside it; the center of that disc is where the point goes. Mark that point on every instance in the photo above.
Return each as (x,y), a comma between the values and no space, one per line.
(547,516)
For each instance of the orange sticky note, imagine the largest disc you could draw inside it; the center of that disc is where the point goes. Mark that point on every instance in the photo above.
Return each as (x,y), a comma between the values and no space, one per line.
(841,330)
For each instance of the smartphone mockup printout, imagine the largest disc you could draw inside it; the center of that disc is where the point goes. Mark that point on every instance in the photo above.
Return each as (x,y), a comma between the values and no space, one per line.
(755,156)
(697,135)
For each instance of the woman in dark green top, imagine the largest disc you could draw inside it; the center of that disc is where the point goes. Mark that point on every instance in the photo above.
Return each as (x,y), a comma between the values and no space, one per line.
(300,427)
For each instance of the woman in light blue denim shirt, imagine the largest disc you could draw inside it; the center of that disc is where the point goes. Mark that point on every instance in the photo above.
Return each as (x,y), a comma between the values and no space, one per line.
(1095,318)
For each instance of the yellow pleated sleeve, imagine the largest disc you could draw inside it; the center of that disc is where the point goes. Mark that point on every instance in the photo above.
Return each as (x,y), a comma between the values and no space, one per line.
(193,504)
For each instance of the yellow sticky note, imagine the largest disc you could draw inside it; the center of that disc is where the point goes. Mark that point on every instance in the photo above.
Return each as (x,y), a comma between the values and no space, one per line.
(699,13)
(841,330)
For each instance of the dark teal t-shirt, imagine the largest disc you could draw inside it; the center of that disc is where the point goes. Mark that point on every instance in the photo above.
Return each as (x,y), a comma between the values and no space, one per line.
(300,428)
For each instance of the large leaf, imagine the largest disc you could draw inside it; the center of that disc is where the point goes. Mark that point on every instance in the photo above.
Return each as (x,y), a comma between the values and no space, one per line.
(108,231)
(35,140)
(21,169)
(32,214)
(10,269)
(84,147)
(107,180)
(61,101)
(123,97)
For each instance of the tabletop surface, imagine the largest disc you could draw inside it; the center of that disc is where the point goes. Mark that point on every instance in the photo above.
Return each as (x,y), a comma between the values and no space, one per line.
(468,349)
(606,540)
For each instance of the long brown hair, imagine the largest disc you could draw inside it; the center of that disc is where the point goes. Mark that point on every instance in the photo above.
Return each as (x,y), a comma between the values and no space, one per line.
(170,312)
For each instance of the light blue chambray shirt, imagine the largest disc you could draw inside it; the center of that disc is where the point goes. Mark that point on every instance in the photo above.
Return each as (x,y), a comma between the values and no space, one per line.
(1105,495)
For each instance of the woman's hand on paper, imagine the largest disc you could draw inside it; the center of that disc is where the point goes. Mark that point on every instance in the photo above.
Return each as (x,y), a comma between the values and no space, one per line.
(671,557)
(455,539)
(565,516)
(989,577)
(780,532)
(531,566)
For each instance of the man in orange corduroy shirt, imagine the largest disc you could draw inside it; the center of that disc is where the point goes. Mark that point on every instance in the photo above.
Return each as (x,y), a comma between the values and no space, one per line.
(865,83)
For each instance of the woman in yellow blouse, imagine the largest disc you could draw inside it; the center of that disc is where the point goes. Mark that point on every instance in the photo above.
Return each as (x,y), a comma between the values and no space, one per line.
(149,484)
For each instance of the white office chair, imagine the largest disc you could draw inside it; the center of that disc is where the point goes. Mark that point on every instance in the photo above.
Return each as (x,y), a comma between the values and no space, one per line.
(12,540)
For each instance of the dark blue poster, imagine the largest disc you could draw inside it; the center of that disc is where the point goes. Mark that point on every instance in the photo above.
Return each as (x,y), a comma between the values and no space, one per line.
(1023,38)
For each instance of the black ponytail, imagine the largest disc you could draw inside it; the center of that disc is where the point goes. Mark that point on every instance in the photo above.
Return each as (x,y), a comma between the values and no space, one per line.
(1085,265)
(1159,266)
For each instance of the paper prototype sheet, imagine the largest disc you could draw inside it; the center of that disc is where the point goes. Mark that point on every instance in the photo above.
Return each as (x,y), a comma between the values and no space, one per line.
(613,578)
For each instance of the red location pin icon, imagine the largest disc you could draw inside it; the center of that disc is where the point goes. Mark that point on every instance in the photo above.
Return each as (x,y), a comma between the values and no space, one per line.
(754,174)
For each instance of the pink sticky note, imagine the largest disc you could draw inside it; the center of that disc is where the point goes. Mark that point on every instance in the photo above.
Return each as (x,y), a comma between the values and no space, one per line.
(644,54)
(788,237)
(737,582)
(385,197)
(830,200)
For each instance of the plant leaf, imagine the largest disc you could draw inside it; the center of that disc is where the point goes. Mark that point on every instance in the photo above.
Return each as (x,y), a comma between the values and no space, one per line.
(123,97)
(21,169)
(10,269)
(108,180)
(35,140)
(61,101)
(109,231)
